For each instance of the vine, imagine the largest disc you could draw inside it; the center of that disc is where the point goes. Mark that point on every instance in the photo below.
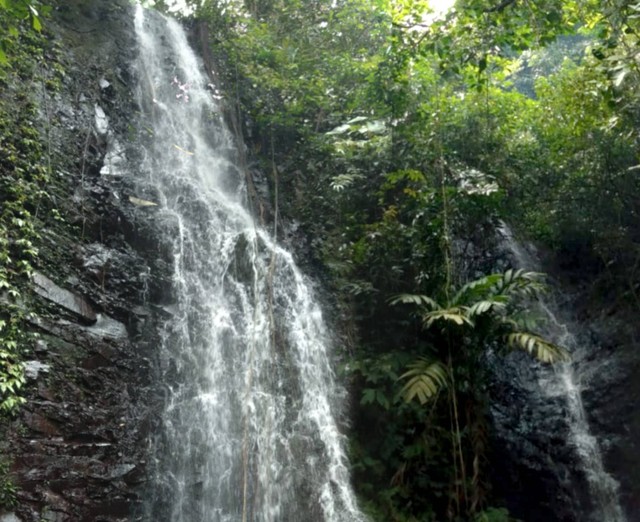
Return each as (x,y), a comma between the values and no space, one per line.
(7,486)
(24,176)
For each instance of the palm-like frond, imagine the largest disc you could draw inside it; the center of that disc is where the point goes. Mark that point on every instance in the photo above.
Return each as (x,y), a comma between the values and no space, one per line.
(520,282)
(494,304)
(477,289)
(457,315)
(535,345)
(506,284)
(425,379)
(416,299)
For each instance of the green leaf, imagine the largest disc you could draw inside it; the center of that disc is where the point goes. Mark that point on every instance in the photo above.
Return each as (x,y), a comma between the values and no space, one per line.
(619,77)
(540,348)
(368,396)
(382,400)
(478,288)
(454,315)
(483,307)
(482,64)
(35,23)
(416,299)
(341,129)
(425,379)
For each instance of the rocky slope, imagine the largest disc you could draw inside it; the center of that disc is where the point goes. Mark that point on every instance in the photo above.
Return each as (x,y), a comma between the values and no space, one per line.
(538,468)
(77,448)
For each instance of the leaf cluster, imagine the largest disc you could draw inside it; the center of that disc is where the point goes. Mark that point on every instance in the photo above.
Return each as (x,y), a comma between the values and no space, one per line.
(24,177)
(13,14)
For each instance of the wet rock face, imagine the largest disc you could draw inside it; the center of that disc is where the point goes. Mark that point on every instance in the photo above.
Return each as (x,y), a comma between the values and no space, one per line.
(63,298)
(612,395)
(536,470)
(77,448)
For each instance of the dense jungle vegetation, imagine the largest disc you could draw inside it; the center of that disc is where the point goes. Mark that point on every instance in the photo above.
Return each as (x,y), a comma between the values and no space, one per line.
(399,140)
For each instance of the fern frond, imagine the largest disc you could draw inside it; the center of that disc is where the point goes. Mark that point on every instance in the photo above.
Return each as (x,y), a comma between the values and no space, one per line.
(343,181)
(494,304)
(477,289)
(535,345)
(425,379)
(417,299)
(457,315)
(520,282)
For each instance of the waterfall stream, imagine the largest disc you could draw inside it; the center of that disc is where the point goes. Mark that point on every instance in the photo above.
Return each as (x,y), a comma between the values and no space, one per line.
(603,487)
(249,430)
(564,381)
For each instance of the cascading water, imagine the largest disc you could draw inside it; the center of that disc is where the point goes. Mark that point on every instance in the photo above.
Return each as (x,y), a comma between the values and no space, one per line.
(603,487)
(563,381)
(249,430)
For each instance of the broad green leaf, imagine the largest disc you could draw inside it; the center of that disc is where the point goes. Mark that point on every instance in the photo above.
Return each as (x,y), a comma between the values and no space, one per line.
(540,348)
(482,307)
(417,299)
(425,378)
(455,315)
(368,396)
(478,288)
(35,23)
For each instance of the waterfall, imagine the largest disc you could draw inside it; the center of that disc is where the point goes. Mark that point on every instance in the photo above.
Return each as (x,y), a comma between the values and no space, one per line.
(249,428)
(564,382)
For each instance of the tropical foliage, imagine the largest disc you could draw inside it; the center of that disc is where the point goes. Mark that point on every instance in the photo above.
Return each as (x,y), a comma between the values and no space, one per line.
(13,13)
(479,315)
(24,174)
(400,140)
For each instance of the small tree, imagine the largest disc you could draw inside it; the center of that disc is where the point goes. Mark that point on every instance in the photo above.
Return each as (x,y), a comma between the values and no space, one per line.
(482,314)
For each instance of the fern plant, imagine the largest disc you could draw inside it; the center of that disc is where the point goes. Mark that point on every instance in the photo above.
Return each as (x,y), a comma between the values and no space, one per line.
(486,310)
(483,313)
(425,378)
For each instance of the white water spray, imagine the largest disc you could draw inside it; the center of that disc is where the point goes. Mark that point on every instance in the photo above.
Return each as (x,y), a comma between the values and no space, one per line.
(249,430)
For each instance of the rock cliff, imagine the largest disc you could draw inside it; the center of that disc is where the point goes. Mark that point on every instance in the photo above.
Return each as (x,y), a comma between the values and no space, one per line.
(76,450)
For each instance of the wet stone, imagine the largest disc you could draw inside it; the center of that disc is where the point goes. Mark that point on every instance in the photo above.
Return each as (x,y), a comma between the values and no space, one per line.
(73,303)
(40,424)
(9,517)
(33,368)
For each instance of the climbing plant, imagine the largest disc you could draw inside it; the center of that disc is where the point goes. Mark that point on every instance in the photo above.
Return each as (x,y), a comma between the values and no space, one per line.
(13,13)
(24,175)
(7,486)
